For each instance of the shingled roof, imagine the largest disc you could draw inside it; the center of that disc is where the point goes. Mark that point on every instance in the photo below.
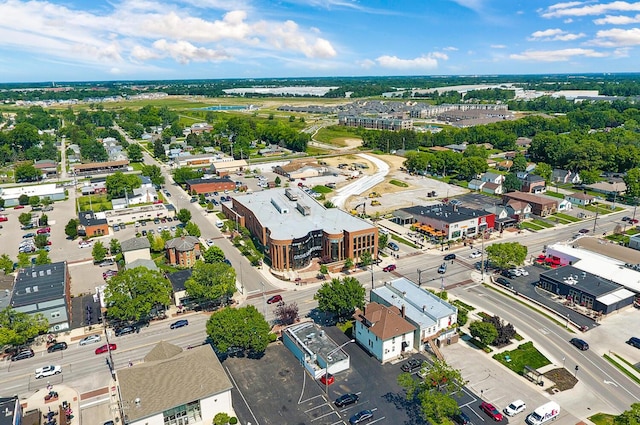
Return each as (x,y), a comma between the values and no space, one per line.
(384,322)
(183,243)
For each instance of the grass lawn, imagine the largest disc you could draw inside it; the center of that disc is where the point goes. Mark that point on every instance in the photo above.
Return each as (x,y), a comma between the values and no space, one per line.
(525,355)
(566,217)
(602,419)
(322,189)
(398,183)
(314,151)
(95,203)
(554,194)
(542,223)
(335,135)
(346,327)
(136,165)
(404,241)
(530,226)
(602,209)
(461,304)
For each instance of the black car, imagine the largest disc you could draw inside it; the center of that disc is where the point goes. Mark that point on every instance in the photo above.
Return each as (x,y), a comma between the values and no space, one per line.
(58,346)
(461,419)
(179,324)
(450,257)
(126,330)
(24,354)
(504,282)
(346,399)
(581,344)
(411,365)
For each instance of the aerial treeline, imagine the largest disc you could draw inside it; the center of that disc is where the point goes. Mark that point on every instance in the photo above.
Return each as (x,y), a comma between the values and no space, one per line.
(85,128)
(136,122)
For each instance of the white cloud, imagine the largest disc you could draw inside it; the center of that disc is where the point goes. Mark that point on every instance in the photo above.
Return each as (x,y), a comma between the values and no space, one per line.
(617,37)
(617,20)
(498,46)
(367,63)
(562,55)
(583,9)
(475,5)
(184,52)
(424,62)
(554,34)
(450,49)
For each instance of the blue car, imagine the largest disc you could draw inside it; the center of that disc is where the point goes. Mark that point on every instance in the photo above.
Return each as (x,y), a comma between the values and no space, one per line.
(179,324)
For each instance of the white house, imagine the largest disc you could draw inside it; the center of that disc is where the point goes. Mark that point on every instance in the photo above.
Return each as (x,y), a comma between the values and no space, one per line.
(492,178)
(432,317)
(476,184)
(565,177)
(383,332)
(135,249)
(563,204)
(175,386)
(579,198)
(493,188)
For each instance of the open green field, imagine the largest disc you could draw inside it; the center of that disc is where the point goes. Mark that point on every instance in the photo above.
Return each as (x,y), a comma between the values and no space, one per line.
(94,203)
(335,135)
(525,355)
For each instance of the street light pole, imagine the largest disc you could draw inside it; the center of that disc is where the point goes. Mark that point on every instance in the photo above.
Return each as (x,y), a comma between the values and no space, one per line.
(326,372)
(371,269)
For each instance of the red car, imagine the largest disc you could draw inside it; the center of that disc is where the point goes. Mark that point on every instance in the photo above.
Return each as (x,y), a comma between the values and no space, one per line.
(104,348)
(4,218)
(274,299)
(43,230)
(327,379)
(18,207)
(633,221)
(491,410)
(390,268)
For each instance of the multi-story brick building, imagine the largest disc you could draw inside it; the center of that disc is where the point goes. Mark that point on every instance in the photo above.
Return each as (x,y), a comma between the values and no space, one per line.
(182,251)
(91,225)
(198,186)
(294,228)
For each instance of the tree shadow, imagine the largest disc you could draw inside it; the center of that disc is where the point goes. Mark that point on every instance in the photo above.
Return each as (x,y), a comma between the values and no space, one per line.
(411,407)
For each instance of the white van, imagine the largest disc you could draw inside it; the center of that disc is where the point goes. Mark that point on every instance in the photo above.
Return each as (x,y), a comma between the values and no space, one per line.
(543,414)
(219,224)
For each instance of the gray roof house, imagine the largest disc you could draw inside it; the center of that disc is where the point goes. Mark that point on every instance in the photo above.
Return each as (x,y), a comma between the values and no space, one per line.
(44,289)
(135,249)
(172,384)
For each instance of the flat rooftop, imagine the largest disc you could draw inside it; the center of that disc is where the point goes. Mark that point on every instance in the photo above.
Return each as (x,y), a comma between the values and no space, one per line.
(317,341)
(608,249)
(584,281)
(295,216)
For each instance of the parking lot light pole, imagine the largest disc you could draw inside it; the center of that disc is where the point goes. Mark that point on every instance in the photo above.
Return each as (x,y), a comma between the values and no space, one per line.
(326,372)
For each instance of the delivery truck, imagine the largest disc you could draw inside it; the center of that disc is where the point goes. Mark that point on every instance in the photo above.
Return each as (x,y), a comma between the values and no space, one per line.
(543,414)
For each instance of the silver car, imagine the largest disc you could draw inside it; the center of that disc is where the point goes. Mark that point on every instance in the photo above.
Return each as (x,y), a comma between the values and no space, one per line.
(90,339)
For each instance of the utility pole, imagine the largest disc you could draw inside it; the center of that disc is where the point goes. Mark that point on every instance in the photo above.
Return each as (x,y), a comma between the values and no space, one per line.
(596,219)
(420,276)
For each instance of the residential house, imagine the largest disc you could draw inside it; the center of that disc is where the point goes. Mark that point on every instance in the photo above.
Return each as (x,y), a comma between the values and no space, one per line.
(490,177)
(183,251)
(503,217)
(179,291)
(560,176)
(493,188)
(91,224)
(476,184)
(457,148)
(505,165)
(562,204)
(135,249)
(579,198)
(92,188)
(273,150)
(433,318)
(533,183)
(47,166)
(523,142)
(175,386)
(540,205)
(383,331)
(518,210)
(44,289)
(142,262)
(300,168)
(611,187)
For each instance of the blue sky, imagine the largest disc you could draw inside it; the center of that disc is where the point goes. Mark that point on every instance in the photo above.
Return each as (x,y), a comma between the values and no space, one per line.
(86,40)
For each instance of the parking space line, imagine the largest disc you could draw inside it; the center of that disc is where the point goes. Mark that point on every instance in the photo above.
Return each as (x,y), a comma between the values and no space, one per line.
(333,412)
(235,384)
(309,399)
(339,422)
(377,420)
(314,408)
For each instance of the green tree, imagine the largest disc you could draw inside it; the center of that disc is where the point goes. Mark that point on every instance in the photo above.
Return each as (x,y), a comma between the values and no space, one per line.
(519,163)
(99,251)
(182,174)
(435,392)
(42,258)
(544,170)
(329,204)
(366,258)
(340,297)
(34,201)
(383,240)
(632,180)
(134,152)
(221,419)
(119,183)
(324,269)
(629,417)
(23,259)
(71,229)
(348,263)
(132,293)
(213,254)
(184,215)
(512,182)
(27,172)
(471,167)
(24,218)
(154,173)
(23,199)
(40,241)
(211,282)
(505,255)
(192,229)
(244,328)
(114,246)
(18,328)
(43,220)
(6,264)
(483,331)
(157,244)
(277,181)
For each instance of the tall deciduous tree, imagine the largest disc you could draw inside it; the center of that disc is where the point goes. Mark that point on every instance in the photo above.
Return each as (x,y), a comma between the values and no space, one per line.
(184,215)
(211,282)
(544,170)
(244,328)
(6,264)
(99,251)
(42,258)
(71,229)
(286,314)
(119,183)
(27,172)
(341,297)
(24,218)
(17,328)
(629,417)
(133,293)
(192,229)
(154,173)
(134,152)
(507,254)
(512,182)
(213,254)
(483,331)
(632,180)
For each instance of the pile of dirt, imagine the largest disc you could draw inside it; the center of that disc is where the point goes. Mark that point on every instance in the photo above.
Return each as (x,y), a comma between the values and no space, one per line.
(563,379)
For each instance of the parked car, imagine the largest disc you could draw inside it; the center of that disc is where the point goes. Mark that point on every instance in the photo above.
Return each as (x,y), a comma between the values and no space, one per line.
(46,371)
(327,379)
(85,244)
(393,246)
(105,348)
(23,354)
(583,231)
(28,235)
(462,419)
(360,417)
(634,342)
(523,272)
(18,207)
(43,230)
(125,330)
(58,346)
(581,344)
(475,254)
(389,268)
(4,218)
(346,399)
(450,257)
(515,407)
(504,282)
(510,274)
(179,323)
(107,262)
(274,299)
(89,339)
(491,410)
(411,365)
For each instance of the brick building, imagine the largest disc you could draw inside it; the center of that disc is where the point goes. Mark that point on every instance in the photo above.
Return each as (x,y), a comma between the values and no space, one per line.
(540,205)
(182,251)
(91,225)
(199,186)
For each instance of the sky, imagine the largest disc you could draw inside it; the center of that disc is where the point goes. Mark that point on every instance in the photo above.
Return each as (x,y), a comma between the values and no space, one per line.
(96,40)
